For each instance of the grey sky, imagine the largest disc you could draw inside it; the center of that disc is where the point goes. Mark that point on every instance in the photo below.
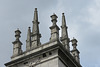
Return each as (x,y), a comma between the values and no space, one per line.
(83,21)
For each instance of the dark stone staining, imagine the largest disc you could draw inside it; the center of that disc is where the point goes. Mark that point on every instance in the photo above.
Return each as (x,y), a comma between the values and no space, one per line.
(50,53)
(44,55)
(25,62)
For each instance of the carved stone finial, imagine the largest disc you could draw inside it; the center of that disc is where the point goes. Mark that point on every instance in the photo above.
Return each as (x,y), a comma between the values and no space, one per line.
(54,28)
(74,43)
(54,19)
(17,34)
(35,9)
(17,50)
(75,52)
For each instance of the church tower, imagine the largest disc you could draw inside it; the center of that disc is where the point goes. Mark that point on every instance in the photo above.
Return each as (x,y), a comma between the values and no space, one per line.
(54,53)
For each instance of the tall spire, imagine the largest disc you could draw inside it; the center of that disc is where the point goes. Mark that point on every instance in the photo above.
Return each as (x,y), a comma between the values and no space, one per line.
(17,50)
(28,41)
(35,31)
(75,52)
(54,28)
(64,35)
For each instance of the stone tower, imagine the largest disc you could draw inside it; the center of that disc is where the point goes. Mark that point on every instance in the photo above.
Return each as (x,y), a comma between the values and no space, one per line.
(55,53)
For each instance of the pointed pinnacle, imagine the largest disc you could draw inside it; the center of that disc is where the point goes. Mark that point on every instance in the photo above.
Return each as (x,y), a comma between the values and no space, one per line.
(29,30)
(35,15)
(63,20)
(28,33)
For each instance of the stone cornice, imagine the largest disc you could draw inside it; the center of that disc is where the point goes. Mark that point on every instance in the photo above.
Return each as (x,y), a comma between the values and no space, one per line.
(63,54)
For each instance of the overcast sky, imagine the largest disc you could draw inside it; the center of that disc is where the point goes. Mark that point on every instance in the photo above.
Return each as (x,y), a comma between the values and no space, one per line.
(83,21)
